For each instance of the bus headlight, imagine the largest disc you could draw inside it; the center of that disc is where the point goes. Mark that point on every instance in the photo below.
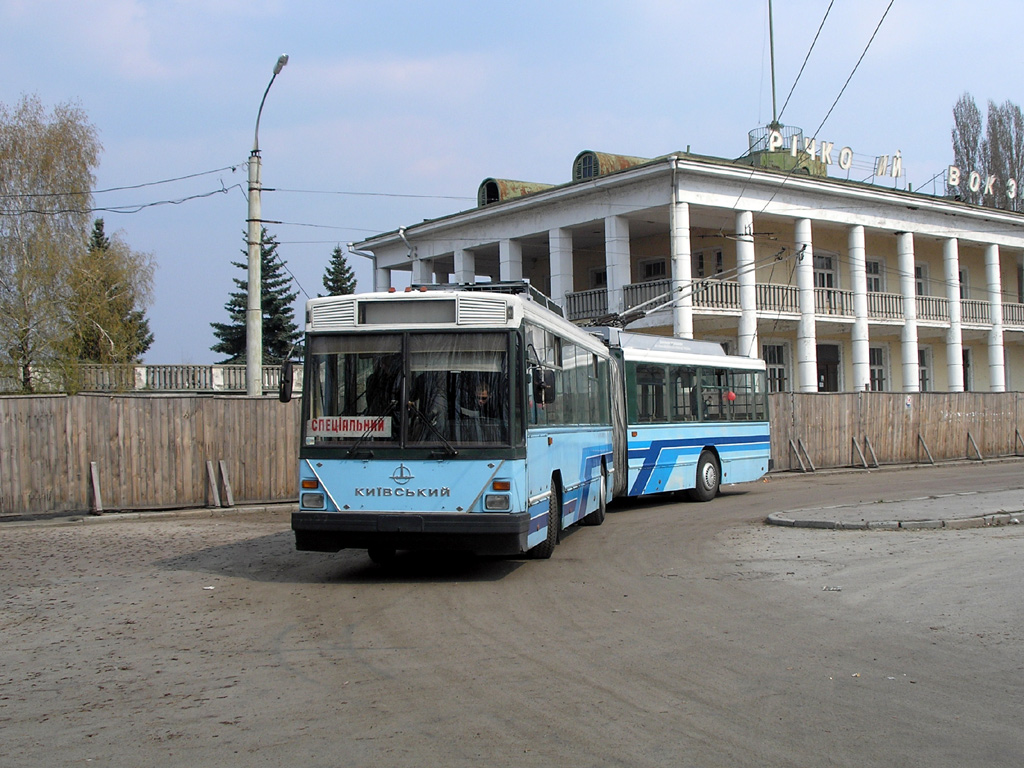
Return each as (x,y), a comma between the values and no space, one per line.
(494,502)
(313,500)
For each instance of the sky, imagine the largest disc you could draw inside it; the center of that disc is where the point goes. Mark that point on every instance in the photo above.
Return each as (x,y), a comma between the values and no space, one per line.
(392,112)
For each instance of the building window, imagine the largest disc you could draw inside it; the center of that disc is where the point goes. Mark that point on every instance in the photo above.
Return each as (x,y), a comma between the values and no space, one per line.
(587,167)
(968,373)
(705,261)
(874,275)
(924,375)
(599,277)
(824,271)
(774,356)
(654,269)
(921,279)
(964,289)
(876,364)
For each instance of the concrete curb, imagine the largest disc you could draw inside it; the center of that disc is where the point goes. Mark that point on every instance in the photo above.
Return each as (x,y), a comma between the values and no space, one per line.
(982,521)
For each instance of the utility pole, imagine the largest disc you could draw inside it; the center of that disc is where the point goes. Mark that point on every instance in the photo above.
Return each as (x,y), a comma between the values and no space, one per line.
(254,303)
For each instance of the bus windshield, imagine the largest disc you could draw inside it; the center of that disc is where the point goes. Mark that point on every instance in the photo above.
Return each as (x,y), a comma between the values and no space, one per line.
(410,390)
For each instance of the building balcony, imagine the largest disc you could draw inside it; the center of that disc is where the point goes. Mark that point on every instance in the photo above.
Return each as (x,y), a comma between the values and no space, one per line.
(710,296)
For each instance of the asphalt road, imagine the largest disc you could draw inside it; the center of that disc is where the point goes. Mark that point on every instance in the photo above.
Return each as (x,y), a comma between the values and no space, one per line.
(676,634)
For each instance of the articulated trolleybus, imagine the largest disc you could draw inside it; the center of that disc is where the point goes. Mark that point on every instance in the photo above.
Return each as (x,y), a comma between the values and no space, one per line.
(477,418)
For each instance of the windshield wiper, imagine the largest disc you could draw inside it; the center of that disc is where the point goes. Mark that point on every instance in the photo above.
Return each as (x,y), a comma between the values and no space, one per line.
(369,431)
(449,448)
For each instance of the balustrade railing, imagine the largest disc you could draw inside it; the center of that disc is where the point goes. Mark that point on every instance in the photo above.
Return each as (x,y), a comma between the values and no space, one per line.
(933,308)
(1013,314)
(586,304)
(885,306)
(149,378)
(974,311)
(778,298)
(716,294)
(833,302)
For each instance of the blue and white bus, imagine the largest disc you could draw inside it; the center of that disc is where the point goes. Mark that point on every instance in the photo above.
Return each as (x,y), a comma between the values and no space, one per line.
(456,419)
(695,416)
(478,418)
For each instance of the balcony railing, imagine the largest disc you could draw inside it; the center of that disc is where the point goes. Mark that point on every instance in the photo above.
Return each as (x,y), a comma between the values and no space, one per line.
(778,298)
(716,294)
(586,304)
(724,295)
(152,378)
(933,308)
(1013,314)
(885,306)
(974,311)
(833,302)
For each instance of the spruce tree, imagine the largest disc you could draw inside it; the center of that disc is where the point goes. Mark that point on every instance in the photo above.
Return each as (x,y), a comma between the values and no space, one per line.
(339,279)
(110,288)
(280,333)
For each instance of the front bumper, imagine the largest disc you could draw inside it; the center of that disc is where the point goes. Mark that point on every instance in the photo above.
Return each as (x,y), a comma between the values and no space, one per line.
(484,533)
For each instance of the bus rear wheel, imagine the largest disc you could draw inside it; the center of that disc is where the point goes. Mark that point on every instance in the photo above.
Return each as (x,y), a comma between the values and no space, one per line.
(708,478)
(543,550)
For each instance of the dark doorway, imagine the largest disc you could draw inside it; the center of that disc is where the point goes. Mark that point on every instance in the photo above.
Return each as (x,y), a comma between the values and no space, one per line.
(828,368)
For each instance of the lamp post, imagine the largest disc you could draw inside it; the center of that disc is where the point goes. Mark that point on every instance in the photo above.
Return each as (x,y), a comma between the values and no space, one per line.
(254,303)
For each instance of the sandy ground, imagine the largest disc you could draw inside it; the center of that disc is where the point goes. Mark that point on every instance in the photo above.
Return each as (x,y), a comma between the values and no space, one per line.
(676,634)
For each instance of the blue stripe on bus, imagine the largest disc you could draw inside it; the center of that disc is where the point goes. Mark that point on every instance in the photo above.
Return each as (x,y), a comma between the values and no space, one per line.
(655,449)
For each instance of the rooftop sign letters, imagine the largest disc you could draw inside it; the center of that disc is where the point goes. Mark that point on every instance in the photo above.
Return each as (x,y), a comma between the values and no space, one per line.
(823,152)
(975,182)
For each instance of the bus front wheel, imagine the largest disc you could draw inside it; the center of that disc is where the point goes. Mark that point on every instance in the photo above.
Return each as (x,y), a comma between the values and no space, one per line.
(543,550)
(708,478)
(597,516)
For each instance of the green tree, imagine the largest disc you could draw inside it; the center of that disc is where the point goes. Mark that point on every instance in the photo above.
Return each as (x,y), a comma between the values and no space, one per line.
(280,333)
(112,286)
(46,177)
(993,148)
(339,279)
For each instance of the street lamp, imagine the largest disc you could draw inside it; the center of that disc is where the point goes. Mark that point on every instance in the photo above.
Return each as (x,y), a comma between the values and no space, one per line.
(254,304)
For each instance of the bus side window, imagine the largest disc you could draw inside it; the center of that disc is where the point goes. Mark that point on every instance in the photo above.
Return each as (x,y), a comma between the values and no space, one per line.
(684,394)
(650,383)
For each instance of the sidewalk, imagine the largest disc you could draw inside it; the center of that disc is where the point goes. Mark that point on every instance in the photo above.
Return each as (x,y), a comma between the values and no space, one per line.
(975,509)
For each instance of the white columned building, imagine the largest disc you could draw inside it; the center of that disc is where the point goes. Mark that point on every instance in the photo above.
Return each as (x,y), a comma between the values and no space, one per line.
(626,233)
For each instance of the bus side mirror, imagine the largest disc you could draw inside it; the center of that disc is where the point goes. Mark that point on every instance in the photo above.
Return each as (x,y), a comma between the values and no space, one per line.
(543,386)
(284,392)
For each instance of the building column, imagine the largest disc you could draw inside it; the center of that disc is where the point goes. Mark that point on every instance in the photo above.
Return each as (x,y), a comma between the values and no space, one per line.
(806,340)
(908,290)
(859,337)
(510,260)
(954,337)
(421,271)
(746,335)
(381,278)
(616,257)
(996,361)
(465,266)
(560,249)
(681,266)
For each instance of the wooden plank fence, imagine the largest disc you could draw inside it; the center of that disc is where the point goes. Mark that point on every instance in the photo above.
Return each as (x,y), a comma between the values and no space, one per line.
(896,428)
(158,451)
(145,451)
